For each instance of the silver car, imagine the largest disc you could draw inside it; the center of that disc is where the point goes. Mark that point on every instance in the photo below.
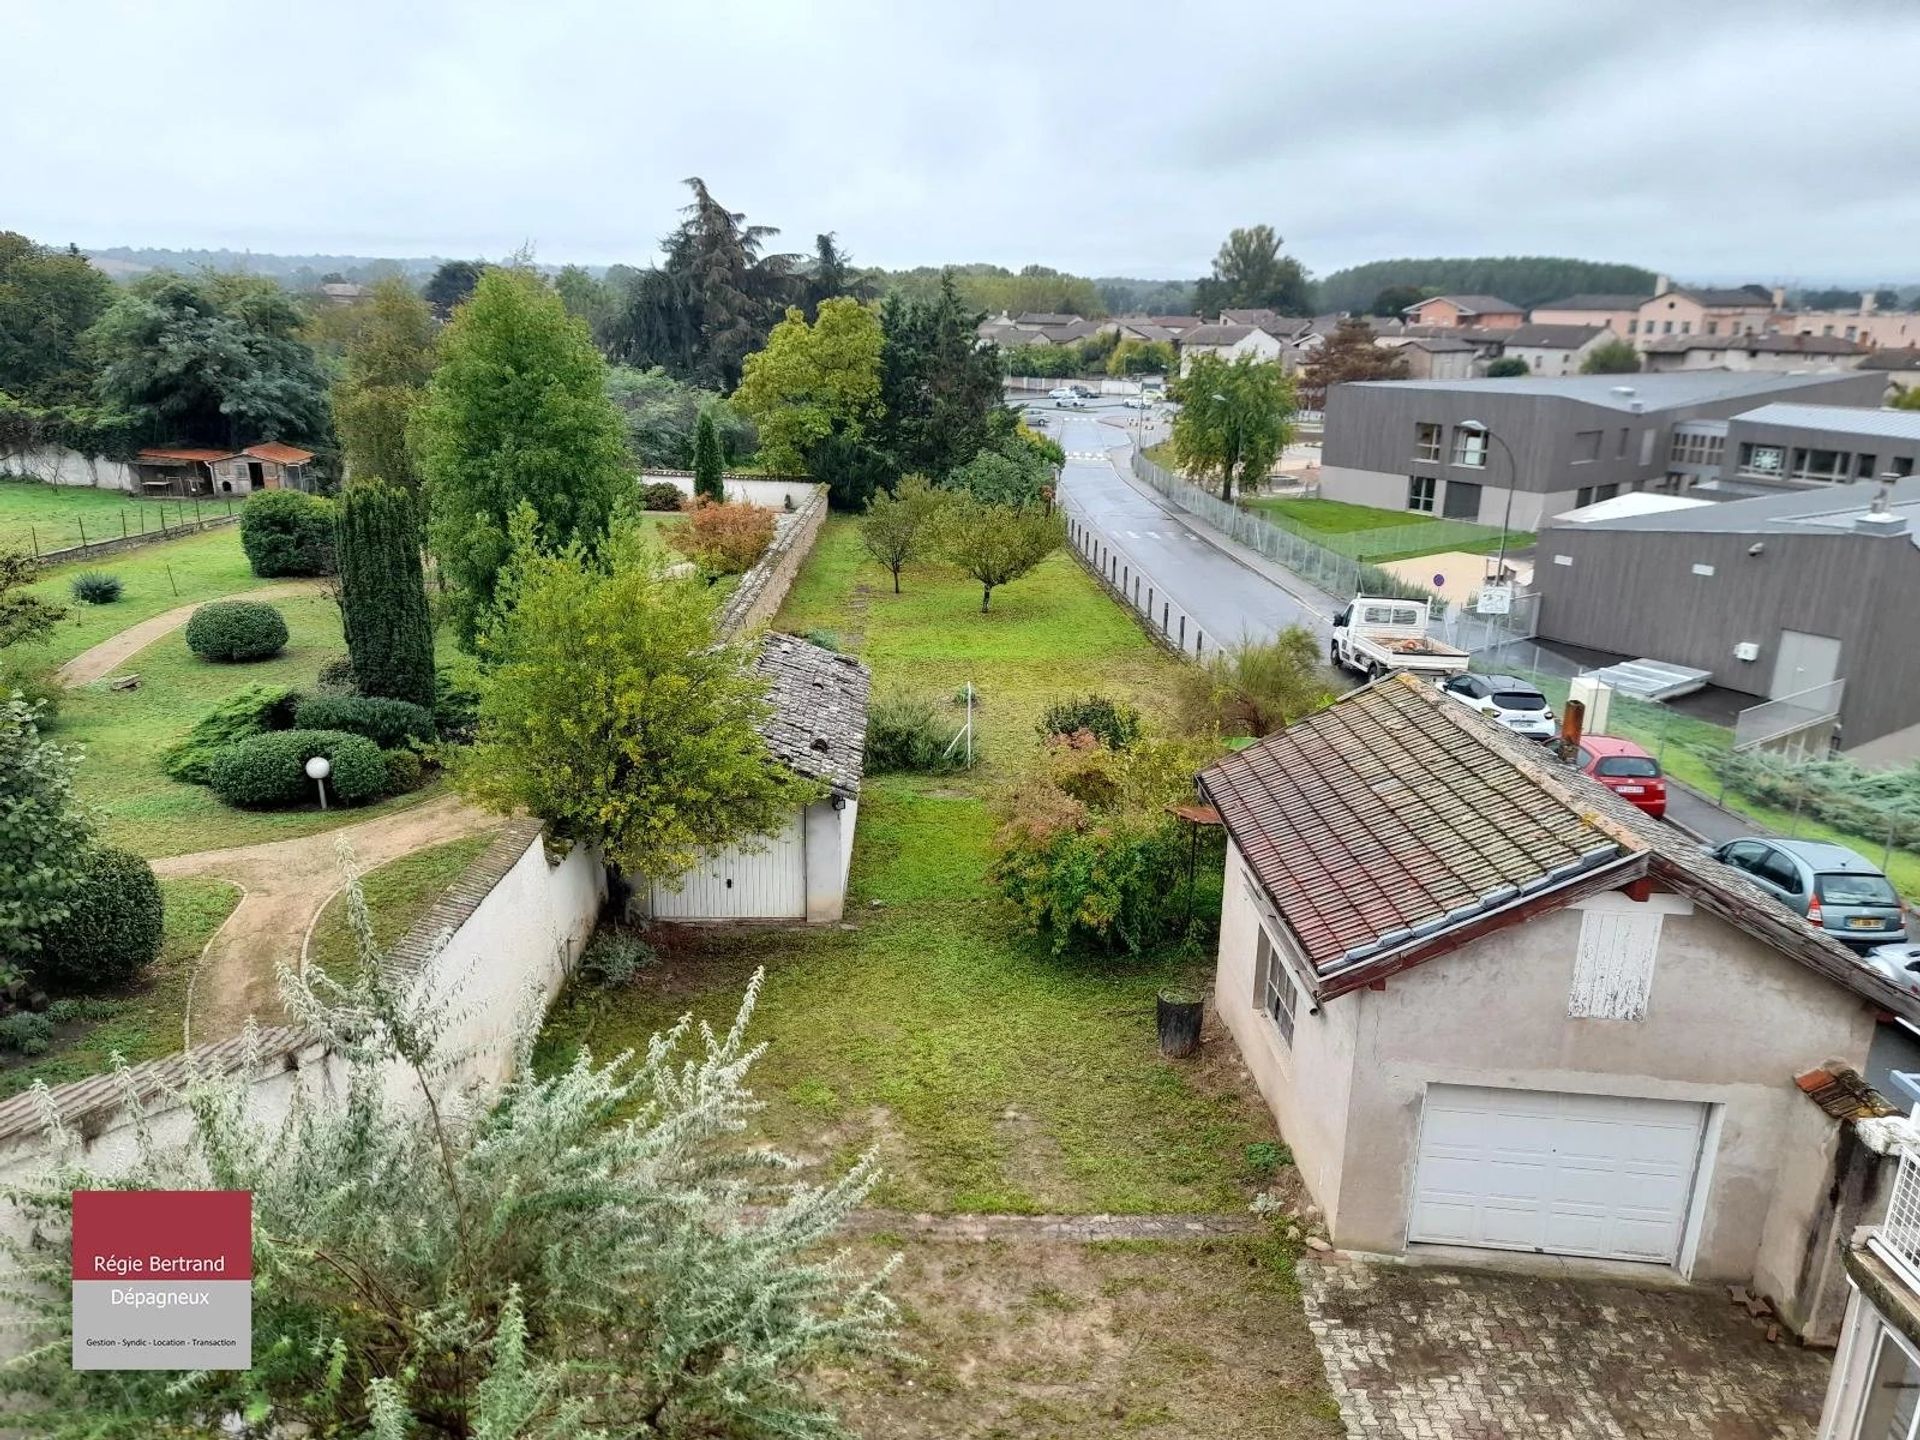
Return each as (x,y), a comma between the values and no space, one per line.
(1506,699)
(1842,893)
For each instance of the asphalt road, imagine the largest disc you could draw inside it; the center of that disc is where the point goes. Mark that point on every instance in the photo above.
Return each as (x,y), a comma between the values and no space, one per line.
(1227,597)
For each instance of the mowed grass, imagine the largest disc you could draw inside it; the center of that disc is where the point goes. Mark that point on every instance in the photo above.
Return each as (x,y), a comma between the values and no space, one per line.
(1366,533)
(144,1020)
(397,894)
(989,1074)
(39,517)
(124,734)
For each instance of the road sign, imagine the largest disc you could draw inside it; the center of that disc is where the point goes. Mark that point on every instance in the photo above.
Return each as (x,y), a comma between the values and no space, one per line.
(1439,579)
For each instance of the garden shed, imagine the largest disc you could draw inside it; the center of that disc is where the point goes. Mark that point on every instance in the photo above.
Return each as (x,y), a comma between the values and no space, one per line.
(818,729)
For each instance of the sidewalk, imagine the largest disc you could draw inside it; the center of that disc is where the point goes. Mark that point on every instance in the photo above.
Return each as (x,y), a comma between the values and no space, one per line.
(1694,814)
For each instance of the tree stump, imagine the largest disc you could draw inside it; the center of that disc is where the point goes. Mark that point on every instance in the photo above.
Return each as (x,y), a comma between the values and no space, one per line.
(1178,1012)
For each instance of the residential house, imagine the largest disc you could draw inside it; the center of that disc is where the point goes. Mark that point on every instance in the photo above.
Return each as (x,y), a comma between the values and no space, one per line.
(1698,311)
(1229,342)
(1901,366)
(1043,320)
(340,292)
(1871,326)
(1517,450)
(1872,1388)
(1488,312)
(1178,324)
(1494,1008)
(1271,321)
(1435,357)
(1610,312)
(1781,354)
(1486,344)
(190,470)
(1776,595)
(1138,327)
(817,729)
(1554,349)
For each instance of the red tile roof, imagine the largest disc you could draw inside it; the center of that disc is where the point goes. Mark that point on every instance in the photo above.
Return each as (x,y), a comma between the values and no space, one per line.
(279,454)
(165,456)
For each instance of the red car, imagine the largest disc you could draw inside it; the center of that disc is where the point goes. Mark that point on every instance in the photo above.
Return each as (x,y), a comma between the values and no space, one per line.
(1624,768)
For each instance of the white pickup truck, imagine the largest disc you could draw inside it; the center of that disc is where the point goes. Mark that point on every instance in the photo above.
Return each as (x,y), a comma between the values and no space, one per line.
(1376,636)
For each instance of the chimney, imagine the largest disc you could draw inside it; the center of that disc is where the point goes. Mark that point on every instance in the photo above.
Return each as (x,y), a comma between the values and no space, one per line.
(1779,298)
(1880,519)
(1661,284)
(1866,302)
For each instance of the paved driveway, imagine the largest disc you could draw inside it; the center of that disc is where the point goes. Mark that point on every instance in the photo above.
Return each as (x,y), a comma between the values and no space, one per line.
(1470,1355)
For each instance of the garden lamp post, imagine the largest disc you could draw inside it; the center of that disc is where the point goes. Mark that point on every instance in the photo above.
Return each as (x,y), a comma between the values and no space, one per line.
(1475,427)
(318,768)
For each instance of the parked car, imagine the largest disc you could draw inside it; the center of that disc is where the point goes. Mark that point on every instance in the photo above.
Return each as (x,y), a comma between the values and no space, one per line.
(1511,701)
(1624,768)
(1138,402)
(1838,891)
(1082,391)
(1065,395)
(1376,636)
(1898,963)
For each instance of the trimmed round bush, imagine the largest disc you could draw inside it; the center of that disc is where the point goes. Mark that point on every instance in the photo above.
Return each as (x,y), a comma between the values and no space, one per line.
(388,723)
(236,630)
(269,772)
(113,926)
(662,495)
(288,532)
(405,771)
(96,587)
(337,677)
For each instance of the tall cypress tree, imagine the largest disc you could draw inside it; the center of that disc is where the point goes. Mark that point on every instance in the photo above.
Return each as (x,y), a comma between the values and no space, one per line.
(708,466)
(383,596)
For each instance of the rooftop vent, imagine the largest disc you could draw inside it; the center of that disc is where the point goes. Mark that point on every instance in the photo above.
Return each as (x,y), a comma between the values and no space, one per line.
(1880,519)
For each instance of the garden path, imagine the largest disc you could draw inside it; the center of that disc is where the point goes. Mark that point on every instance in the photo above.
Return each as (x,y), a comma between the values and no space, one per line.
(111,653)
(287,884)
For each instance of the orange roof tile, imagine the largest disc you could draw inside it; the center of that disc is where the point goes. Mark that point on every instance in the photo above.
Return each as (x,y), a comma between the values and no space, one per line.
(161,455)
(279,454)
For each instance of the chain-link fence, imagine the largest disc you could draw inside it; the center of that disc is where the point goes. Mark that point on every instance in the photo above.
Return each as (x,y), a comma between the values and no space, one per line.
(1800,724)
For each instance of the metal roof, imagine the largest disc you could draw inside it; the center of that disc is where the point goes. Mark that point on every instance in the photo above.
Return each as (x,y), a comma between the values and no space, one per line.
(1789,512)
(1551,337)
(1654,392)
(1838,419)
(1596,302)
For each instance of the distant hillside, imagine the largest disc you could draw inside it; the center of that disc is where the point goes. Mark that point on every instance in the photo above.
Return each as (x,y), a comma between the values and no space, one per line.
(124,261)
(1526,280)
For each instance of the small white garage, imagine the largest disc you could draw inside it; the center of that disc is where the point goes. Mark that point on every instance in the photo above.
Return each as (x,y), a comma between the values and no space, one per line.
(817,728)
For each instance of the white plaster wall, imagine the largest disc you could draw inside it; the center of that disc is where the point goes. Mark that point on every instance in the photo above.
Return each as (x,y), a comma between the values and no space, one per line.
(766,494)
(829,841)
(1808,1141)
(57,465)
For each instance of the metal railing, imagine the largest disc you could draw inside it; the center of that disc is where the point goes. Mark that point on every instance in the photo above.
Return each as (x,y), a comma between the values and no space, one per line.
(1896,1239)
(1797,724)
(1137,591)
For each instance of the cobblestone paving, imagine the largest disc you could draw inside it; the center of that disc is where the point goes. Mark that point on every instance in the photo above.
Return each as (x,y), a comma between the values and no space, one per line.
(1425,1354)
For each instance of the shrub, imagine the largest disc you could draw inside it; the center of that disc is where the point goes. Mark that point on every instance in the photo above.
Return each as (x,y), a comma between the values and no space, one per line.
(1112,722)
(614,957)
(251,710)
(287,532)
(26,1033)
(910,732)
(724,539)
(113,925)
(1256,688)
(405,771)
(825,639)
(236,630)
(36,683)
(270,771)
(1880,806)
(337,677)
(662,495)
(388,723)
(69,1009)
(456,707)
(94,587)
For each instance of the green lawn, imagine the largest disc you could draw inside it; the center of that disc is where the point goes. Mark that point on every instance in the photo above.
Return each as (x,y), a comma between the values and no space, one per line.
(124,732)
(989,1074)
(397,894)
(39,517)
(145,1020)
(1366,533)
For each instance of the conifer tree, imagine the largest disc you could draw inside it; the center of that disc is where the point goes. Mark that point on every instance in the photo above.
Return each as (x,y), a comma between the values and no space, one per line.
(383,595)
(708,465)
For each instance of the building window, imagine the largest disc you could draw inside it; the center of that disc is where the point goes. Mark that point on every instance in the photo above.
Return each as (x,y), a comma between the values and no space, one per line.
(1693,448)
(1586,447)
(1426,442)
(1277,995)
(1686,327)
(1583,497)
(1849,332)
(1666,327)
(1647,439)
(1713,327)
(1420,490)
(1470,448)
(1902,466)
(1762,460)
(1863,468)
(1606,492)
(1633,327)
(1822,467)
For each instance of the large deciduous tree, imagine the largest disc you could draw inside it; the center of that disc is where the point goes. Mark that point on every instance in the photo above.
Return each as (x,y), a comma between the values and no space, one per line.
(608,709)
(383,596)
(1235,419)
(997,544)
(389,362)
(48,300)
(662,415)
(216,358)
(812,381)
(939,386)
(1615,357)
(517,413)
(1250,273)
(1351,352)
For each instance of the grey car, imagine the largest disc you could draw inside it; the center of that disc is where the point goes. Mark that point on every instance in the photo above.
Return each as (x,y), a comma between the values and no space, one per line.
(1842,893)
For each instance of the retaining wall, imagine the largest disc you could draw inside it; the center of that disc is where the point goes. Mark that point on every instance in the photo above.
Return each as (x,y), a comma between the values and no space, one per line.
(756,599)
(768,492)
(57,465)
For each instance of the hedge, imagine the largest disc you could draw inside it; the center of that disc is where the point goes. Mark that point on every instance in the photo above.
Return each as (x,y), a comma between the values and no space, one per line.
(269,771)
(236,630)
(248,711)
(388,723)
(287,532)
(113,925)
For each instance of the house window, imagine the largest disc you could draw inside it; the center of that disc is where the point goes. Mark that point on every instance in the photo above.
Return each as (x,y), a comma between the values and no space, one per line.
(1605,492)
(1470,448)
(1691,447)
(1277,994)
(1686,327)
(1420,490)
(1881,1381)
(1586,447)
(1903,465)
(1666,327)
(1426,442)
(1633,327)
(1713,327)
(1762,460)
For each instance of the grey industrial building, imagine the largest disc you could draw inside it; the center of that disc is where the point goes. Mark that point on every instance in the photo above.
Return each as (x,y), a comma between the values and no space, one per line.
(1771,595)
(1522,450)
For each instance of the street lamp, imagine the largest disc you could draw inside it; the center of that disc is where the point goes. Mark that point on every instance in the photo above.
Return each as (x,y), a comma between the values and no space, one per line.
(318,768)
(1476,427)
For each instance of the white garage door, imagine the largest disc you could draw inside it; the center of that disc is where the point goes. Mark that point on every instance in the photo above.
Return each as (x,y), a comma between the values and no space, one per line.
(765,884)
(1600,1175)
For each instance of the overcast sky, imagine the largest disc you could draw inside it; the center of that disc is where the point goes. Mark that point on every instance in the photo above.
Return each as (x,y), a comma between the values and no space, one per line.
(1713,139)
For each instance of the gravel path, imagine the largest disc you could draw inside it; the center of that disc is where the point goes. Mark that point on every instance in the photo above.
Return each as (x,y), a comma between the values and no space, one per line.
(110,654)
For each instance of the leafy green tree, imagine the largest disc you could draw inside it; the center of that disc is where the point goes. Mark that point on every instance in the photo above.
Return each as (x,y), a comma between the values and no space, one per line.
(608,709)
(1526,280)
(661,414)
(900,528)
(812,381)
(996,544)
(1394,300)
(852,470)
(1350,353)
(1508,366)
(1255,688)
(1615,357)
(1907,398)
(1830,299)
(48,300)
(1008,472)
(43,833)
(709,467)
(591,299)
(1250,273)
(216,358)
(1122,296)
(452,284)
(388,364)
(517,413)
(1142,357)
(594,1252)
(939,386)
(383,596)
(24,616)
(1236,417)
